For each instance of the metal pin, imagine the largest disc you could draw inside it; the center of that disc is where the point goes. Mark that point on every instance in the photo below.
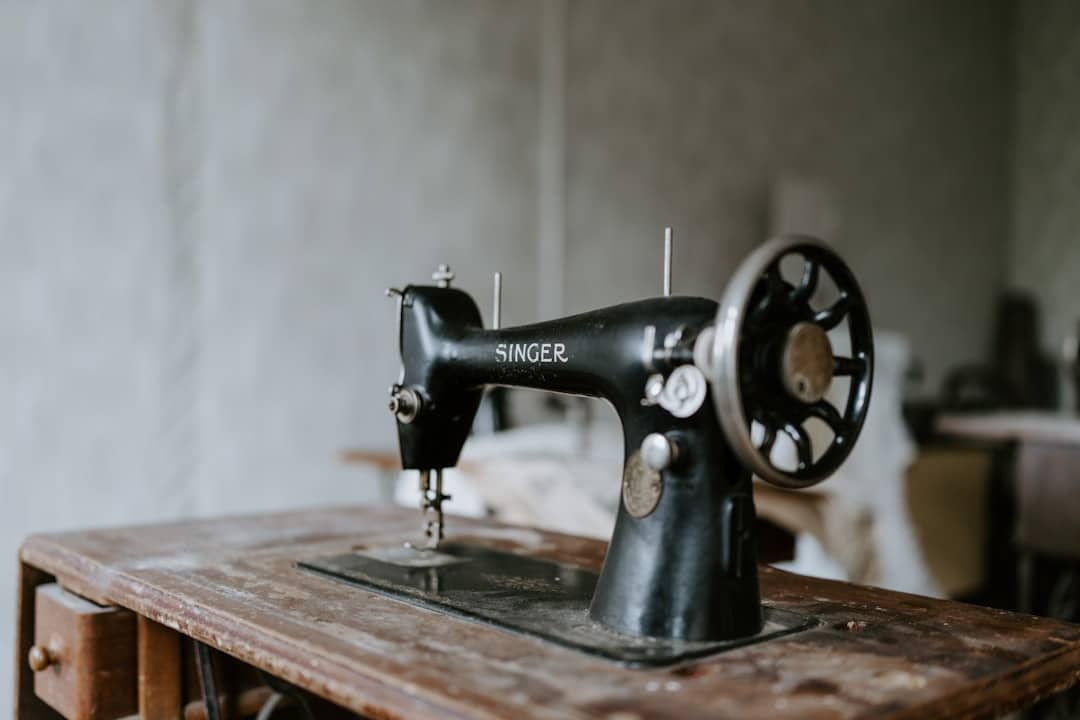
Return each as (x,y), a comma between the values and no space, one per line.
(439,497)
(648,346)
(425,505)
(496,315)
(425,483)
(431,512)
(667,262)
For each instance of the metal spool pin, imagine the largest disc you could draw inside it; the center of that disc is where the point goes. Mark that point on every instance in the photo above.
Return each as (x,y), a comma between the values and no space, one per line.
(667,261)
(496,310)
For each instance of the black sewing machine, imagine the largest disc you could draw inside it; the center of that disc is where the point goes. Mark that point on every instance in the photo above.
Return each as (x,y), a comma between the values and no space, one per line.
(704,390)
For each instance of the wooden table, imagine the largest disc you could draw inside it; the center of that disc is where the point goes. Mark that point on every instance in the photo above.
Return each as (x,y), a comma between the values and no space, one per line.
(1038,455)
(232,583)
(1030,426)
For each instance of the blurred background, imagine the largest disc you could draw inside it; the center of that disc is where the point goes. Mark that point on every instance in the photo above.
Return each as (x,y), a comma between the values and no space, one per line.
(202,202)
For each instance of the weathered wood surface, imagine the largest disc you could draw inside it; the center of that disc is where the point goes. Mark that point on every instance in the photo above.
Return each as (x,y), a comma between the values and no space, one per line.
(86,654)
(159,662)
(28,706)
(232,583)
(387,460)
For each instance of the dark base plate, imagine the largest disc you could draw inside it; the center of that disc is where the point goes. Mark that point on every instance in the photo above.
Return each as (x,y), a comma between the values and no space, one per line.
(536,597)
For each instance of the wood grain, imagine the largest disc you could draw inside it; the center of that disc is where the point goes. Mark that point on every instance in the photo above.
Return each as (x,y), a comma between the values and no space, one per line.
(28,706)
(387,460)
(233,584)
(92,676)
(160,677)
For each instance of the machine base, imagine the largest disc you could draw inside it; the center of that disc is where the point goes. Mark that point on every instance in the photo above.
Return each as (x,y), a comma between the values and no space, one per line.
(540,598)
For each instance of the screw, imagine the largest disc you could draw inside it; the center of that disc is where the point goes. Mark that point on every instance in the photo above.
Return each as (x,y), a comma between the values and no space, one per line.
(442,275)
(405,405)
(654,387)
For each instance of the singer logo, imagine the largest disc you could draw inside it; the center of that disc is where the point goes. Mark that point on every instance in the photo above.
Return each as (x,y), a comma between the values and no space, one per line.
(531,352)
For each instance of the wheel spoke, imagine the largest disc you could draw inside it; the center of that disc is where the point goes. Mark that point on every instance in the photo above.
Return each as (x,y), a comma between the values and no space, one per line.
(830,317)
(767,441)
(848,366)
(771,288)
(824,411)
(760,308)
(776,287)
(808,283)
(802,444)
(772,275)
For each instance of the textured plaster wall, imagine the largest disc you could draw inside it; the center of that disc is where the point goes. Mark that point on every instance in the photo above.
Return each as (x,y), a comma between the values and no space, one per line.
(1044,251)
(201,202)
(894,111)
(200,206)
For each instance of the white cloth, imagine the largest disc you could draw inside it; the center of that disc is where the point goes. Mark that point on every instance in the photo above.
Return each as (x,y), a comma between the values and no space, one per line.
(865,509)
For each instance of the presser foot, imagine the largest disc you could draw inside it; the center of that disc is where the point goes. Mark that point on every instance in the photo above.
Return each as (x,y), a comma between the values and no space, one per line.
(431,513)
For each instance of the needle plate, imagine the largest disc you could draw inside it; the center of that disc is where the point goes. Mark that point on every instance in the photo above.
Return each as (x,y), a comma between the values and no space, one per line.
(535,597)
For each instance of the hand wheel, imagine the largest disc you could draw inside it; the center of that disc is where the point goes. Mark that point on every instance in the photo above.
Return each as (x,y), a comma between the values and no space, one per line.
(773,361)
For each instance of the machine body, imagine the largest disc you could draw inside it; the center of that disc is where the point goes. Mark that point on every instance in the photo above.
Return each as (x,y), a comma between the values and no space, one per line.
(663,568)
(688,377)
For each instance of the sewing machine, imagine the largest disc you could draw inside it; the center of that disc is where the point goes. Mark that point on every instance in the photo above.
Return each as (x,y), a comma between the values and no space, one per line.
(704,390)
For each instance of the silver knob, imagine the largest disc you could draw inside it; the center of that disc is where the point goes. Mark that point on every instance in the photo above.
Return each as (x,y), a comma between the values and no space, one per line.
(654,388)
(442,275)
(658,451)
(404,404)
(684,392)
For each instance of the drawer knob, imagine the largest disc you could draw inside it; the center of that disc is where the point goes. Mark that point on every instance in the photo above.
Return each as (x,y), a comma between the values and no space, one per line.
(40,658)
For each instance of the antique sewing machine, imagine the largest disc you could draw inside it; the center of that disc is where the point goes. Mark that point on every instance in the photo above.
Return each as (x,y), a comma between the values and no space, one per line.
(704,391)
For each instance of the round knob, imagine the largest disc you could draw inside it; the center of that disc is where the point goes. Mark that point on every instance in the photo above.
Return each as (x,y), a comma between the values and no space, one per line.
(807,365)
(39,658)
(404,404)
(684,392)
(658,452)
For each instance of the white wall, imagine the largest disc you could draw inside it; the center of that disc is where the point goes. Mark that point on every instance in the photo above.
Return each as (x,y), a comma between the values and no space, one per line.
(201,202)
(200,206)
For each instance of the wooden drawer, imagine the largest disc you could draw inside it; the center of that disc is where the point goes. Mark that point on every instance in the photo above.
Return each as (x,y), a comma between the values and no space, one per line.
(83,656)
